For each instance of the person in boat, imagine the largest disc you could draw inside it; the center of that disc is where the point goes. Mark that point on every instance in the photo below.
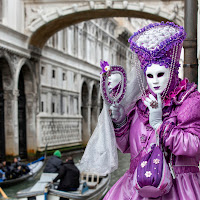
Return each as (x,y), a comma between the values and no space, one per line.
(18,168)
(168,105)
(2,173)
(6,168)
(54,163)
(68,175)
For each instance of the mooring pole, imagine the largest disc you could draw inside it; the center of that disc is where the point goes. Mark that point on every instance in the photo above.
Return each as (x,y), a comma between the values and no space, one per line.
(190,43)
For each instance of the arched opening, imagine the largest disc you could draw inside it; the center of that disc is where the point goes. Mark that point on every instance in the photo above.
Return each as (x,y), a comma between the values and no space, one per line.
(6,117)
(84,112)
(94,109)
(26,110)
(22,117)
(2,122)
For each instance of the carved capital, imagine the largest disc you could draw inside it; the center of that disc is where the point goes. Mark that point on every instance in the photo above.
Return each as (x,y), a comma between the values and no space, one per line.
(30,99)
(8,95)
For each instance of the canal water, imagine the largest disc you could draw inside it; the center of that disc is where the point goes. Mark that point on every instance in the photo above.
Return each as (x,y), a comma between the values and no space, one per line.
(124,160)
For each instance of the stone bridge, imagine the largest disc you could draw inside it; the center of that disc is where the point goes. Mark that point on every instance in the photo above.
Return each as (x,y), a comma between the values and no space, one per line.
(46,17)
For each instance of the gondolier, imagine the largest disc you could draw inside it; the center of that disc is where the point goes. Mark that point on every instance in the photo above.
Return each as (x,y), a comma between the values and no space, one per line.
(69,176)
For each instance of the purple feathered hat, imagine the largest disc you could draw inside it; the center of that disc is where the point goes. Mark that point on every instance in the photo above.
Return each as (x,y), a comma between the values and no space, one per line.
(155,44)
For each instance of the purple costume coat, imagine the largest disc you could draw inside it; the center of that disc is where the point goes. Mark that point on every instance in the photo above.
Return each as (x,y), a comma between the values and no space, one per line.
(181,135)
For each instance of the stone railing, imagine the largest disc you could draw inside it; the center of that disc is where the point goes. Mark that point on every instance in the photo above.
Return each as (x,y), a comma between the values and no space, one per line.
(58,131)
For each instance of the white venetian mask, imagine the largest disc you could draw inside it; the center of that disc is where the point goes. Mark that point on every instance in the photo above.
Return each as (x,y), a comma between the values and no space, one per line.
(157,77)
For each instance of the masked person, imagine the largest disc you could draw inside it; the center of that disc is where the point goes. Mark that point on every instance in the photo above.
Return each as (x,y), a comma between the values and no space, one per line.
(167,105)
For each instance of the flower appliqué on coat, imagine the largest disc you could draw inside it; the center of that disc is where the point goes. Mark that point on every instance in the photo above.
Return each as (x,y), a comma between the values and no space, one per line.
(144,163)
(148,174)
(156,161)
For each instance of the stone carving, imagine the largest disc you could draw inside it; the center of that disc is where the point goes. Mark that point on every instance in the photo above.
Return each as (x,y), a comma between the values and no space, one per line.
(108,3)
(36,12)
(178,10)
(75,7)
(125,4)
(41,12)
(91,4)
(58,132)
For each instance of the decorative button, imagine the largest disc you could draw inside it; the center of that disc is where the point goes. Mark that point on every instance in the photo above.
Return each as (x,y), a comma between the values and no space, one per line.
(143,138)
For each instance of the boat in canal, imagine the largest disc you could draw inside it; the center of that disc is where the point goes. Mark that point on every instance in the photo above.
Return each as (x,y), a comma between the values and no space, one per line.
(35,167)
(92,187)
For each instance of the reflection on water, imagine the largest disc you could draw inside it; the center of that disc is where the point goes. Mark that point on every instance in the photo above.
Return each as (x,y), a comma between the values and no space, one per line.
(123,166)
(124,160)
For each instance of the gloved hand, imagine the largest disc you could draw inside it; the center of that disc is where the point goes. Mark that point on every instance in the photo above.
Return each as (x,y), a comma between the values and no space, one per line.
(155,110)
(117,113)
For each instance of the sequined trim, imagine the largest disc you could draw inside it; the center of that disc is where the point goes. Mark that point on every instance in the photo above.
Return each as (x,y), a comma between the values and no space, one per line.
(185,95)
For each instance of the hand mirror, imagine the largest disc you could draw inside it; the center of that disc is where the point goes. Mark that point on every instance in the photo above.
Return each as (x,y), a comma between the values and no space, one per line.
(113,83)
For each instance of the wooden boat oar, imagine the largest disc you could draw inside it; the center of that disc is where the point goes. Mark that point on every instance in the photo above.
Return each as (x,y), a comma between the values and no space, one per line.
(46,190)
(3,193)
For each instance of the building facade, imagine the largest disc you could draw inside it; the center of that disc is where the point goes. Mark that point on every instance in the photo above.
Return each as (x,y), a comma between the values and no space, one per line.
(69,74)
(49,73)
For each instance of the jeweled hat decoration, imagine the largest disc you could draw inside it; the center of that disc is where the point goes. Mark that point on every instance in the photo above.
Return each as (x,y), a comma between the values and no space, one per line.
(154,44)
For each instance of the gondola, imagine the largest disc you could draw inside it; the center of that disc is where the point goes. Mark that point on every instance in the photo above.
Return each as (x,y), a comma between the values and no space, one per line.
(43,189)
(35,167)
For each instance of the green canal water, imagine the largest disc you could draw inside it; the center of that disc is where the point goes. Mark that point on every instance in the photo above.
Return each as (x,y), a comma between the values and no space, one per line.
(124,160)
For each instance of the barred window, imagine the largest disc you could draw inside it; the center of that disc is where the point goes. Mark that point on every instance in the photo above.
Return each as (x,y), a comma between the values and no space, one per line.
(53,73)
(64,76)
(42,70)
(53,107)
(42,106)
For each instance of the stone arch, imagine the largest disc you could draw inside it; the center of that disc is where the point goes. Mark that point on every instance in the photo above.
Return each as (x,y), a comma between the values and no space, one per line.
(46,24)
(85,112)
(8,69)
(94,107)
(26,86)
(27,67)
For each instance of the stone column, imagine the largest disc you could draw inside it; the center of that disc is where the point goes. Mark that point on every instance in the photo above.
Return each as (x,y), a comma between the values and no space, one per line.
(31,124)
(98,108)
(190,44)
(89,119)
(11,122)
(94,117)
(86,111)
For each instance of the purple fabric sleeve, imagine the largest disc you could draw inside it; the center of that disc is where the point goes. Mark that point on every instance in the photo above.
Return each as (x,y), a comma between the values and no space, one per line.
(182,132)
(122,133)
